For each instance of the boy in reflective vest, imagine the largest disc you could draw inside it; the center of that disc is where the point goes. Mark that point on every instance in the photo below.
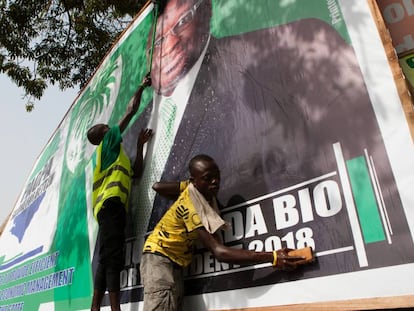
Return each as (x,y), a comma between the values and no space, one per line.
(111,187)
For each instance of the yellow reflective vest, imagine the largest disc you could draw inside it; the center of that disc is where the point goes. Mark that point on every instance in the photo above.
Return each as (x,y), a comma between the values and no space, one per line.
(115,181)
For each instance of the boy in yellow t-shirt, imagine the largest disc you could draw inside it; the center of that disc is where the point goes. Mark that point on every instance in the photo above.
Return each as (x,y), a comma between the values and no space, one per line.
(169,248)
(174,235)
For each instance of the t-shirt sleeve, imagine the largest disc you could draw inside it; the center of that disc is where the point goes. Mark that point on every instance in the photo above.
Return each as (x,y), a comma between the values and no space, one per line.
(184,184)
(111,146)
(192,221)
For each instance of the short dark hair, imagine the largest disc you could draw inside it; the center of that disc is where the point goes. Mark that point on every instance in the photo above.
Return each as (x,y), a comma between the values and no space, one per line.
(198,158)
(163,3)
(91,132)
(95,134)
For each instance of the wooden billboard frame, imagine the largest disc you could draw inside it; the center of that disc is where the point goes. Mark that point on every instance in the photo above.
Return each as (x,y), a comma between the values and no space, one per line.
(379,303)
(383,303)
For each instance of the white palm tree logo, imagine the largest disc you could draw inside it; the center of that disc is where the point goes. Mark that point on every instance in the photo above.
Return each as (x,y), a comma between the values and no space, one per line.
(95,106)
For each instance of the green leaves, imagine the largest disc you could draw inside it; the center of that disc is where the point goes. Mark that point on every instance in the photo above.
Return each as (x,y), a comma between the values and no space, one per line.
(43,42)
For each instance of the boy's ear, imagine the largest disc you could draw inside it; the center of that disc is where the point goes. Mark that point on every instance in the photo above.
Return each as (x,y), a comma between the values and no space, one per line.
(191,178)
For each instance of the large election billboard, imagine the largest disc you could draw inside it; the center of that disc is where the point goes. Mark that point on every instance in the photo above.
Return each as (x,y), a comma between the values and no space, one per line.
(296,102)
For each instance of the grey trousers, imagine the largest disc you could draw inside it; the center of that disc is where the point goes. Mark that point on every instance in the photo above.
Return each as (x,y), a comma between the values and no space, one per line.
(163,283)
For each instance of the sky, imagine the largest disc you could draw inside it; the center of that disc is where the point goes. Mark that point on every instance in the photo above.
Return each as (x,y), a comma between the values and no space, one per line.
(24,135)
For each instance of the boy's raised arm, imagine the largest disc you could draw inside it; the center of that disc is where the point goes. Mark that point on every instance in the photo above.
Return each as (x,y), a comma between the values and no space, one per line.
(134,104)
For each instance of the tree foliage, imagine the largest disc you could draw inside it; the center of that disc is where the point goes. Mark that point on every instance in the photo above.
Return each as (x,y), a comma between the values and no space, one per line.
(48,42)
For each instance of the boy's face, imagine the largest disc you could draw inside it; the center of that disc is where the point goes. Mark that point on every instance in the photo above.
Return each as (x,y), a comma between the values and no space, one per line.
(206,178)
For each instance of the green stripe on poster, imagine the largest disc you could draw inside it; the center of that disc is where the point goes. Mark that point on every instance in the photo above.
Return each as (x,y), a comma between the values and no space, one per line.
(367,208)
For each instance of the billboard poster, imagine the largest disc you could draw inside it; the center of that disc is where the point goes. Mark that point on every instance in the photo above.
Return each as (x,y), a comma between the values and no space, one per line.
(399,18)
(407,65)
(294,100)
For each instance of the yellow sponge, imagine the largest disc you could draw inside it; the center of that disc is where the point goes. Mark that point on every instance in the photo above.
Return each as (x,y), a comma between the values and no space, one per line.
(306,253)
